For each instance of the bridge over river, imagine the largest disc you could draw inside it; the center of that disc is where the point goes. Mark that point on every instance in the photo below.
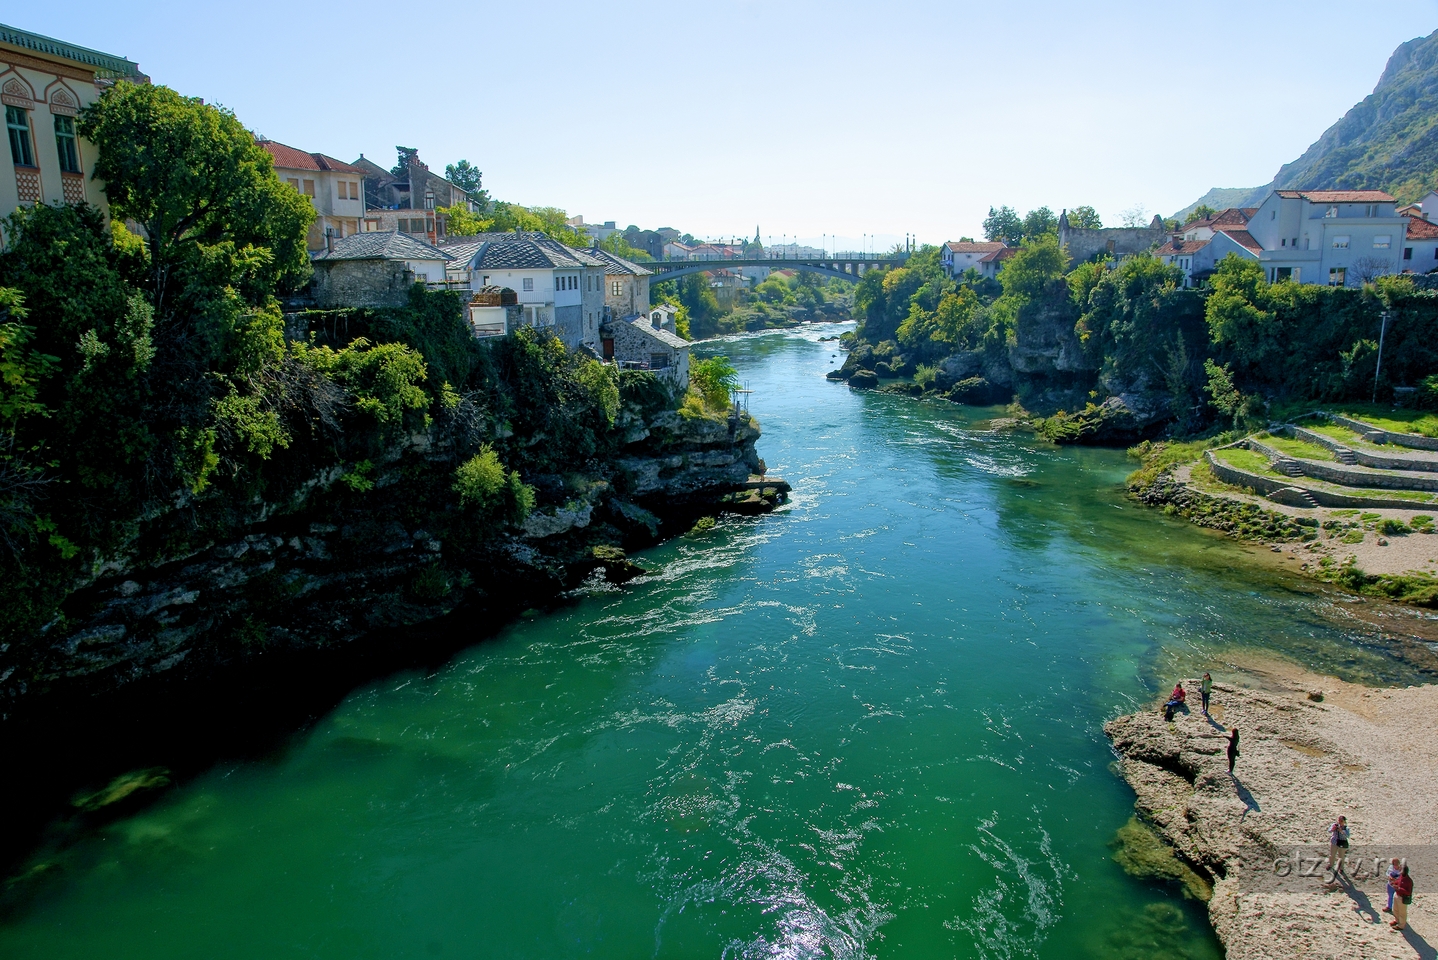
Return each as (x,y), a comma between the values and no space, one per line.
(844,267)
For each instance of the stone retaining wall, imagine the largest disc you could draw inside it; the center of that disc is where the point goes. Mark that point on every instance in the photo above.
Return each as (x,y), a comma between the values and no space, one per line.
(1379,435)
(1266,485)
(1346,476)
(1376,460)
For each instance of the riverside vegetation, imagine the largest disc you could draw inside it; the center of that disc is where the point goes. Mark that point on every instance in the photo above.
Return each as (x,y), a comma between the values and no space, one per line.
(191,479)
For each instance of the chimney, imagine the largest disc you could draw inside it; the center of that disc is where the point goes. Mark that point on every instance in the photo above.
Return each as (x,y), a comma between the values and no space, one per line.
(329,240)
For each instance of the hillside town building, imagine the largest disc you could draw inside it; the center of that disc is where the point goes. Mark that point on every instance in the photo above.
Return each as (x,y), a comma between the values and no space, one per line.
(44,84)
(956,256)
(374,270)
(558,288)
(626,284)
(334,187)
(1342,238)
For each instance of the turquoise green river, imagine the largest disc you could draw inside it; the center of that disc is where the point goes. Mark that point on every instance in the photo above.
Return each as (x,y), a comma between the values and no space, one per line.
(867,725)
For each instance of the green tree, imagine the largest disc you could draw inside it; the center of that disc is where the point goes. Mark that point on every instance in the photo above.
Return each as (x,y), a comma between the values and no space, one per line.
(459,222)
(1037,263)
(1199,212)
(215,216)
(617,245)
(1004,226)
(468,178)
(1085,218)
(406,156)
(1039,222)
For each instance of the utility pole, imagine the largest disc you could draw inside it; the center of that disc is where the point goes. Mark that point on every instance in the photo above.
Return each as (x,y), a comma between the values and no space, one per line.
(1377,367)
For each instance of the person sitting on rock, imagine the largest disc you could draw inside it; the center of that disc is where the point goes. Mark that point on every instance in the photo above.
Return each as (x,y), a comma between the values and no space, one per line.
(1175,700)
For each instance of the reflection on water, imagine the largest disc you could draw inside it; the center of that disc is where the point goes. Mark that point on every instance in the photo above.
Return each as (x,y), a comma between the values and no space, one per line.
(868,724)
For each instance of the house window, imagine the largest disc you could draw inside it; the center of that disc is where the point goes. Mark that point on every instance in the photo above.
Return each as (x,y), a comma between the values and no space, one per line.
(354,190)
(1382,243)
(528,284)
(1337,277)
(65,144)
(1371,210)
(18,125)
(1407,253)
(659,361)
(309,189)
(1331,211)
(294,183)
(1283,242)
(1340,243)
(614,288)
(1282,273)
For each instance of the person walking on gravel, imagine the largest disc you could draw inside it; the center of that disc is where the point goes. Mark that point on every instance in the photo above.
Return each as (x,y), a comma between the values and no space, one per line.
(1337,846)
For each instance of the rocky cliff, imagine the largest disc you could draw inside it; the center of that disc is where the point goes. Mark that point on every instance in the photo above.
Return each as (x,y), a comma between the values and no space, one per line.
(335,564)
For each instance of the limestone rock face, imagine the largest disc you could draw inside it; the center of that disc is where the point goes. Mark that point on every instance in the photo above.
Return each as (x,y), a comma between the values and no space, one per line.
(1302,763)
(317,573)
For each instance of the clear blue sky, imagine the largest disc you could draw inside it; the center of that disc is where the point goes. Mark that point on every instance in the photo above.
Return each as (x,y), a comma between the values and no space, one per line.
(804,118)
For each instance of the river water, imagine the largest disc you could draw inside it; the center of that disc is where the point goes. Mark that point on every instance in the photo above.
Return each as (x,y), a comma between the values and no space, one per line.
(866,725)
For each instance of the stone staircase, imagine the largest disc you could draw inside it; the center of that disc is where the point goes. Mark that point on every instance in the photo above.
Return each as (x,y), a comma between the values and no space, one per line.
(1287,467)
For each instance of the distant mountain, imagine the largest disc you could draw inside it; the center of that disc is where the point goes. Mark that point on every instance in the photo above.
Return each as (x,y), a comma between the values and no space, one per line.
(1389,141)
(1219,198)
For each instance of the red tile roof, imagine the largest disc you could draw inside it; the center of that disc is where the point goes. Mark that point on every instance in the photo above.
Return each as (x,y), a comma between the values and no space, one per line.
(288,158)
(1243,238)
(1002,253)
(1337,196)
(969,246)
(1178,248)
(1232,216)
(1422,230)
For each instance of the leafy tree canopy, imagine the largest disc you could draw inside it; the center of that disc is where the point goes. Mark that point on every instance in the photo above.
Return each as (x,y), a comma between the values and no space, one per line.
(1003,226)
(468,178)
(1085,218)
(407,155)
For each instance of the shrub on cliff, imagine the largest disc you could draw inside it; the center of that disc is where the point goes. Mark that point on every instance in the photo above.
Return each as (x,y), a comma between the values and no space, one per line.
(484,485)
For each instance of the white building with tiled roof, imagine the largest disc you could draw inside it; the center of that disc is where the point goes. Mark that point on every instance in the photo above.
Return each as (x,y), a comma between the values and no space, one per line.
(1179,253)
(334,187)
(626,283)
(560,289)
(956,256)
(1420,247)
(1335,237)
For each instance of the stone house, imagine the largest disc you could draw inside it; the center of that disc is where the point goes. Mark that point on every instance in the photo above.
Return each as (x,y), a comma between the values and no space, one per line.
(956,256)
(640,344)
(409,203)
(559,288)
(664,316)
(374,270)
(334,187)
(1341,238)
(44,84)
(626,284)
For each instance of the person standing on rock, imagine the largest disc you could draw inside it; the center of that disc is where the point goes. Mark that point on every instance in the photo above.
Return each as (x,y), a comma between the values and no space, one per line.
(1205,690)
(1403,890)
(1394,872)
(1232,748)
(1337,846)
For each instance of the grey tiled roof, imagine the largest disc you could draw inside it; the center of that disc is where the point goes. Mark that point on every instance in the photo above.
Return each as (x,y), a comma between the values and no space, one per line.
(660,334)
(613,263)
(517,251)
(382,245)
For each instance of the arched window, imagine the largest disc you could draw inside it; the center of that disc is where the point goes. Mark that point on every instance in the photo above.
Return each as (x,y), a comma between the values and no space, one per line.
(17,124)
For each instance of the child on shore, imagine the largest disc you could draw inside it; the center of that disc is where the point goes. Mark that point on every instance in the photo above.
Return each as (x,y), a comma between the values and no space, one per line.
(1394,872)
